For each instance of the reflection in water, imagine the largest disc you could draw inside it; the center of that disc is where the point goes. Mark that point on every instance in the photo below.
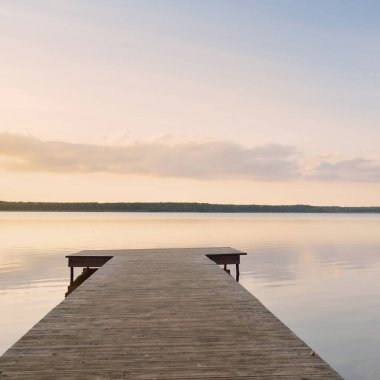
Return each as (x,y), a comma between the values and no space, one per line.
(318,273)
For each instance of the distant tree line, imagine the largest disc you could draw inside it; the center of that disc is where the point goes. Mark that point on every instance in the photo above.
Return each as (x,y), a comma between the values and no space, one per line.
(176,207)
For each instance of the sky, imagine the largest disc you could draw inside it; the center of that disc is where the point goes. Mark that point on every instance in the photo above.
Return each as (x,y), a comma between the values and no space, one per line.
(243,101)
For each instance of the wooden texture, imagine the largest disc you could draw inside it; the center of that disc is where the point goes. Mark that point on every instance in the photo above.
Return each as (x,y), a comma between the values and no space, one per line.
(85,275)
(161,314)
(87,261)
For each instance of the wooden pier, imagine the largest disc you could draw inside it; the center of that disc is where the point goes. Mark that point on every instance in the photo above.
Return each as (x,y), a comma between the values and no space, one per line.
(160,314)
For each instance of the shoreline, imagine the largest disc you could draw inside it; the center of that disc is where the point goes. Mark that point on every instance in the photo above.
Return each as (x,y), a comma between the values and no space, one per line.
(181,207)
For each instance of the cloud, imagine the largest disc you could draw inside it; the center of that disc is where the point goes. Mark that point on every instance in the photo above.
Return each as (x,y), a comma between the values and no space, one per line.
(165,157)
(201,160)
(353,170)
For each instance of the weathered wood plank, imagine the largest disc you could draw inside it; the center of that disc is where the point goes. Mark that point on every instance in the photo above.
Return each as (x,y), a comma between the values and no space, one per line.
(161,314)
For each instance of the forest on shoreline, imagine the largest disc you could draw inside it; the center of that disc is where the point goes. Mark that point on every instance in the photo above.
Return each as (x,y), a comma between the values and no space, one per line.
(177,207)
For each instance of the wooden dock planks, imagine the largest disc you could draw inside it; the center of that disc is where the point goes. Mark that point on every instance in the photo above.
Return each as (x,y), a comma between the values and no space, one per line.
(161,314)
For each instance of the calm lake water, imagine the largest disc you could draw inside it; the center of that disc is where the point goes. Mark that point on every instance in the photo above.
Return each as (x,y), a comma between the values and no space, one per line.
(320,274)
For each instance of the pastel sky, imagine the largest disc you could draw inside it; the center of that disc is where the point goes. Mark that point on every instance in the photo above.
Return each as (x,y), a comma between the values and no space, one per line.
(243,101)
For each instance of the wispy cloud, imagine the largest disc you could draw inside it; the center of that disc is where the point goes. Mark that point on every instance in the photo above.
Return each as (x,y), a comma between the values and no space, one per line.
(207,160)
(352,170)
(169,158)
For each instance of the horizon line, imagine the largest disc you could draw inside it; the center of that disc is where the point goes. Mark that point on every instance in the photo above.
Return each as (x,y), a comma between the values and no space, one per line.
(297,206)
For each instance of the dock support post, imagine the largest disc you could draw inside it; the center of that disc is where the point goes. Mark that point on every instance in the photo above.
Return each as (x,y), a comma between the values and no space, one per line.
(71,275)
(237,272)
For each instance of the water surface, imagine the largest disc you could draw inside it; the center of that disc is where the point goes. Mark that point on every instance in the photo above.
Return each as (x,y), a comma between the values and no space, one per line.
(320,274)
